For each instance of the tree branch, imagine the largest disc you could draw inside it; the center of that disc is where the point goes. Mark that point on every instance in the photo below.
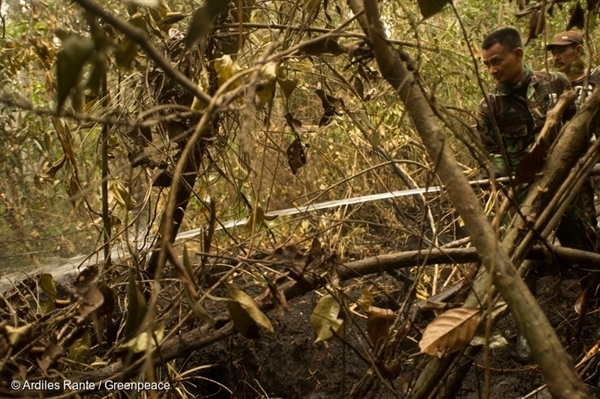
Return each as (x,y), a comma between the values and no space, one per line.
(200,338)
(556,365)
(140,37)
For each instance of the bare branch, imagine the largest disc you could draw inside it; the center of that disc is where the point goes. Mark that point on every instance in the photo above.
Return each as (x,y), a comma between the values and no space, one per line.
(138,36)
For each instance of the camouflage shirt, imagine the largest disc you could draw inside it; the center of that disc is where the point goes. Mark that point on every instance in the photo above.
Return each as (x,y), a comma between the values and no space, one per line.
(520,112)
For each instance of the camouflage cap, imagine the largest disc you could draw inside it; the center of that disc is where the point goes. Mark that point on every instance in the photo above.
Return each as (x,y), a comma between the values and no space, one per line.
(565,39)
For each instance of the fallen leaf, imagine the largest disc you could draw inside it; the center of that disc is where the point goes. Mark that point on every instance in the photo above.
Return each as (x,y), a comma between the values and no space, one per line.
(366,300)
(15,334)
(495,341)
(242,320)
(450,331)
(86,279)
(52,353)
(379,322)
(80,349)
(143,341)
(428,304)
(243,306)
(324,318)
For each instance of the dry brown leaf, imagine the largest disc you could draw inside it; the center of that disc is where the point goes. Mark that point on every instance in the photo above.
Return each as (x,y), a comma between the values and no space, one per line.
(52,353)
(86,279)
(428,304)
(296,155)
(379,322)
(279,301)
(90,302)
(450,331)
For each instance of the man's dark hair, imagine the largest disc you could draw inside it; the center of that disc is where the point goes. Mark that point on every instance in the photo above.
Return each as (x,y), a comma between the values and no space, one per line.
(507,37)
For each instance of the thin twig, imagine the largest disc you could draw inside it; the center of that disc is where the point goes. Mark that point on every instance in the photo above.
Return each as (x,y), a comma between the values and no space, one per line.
(140,37)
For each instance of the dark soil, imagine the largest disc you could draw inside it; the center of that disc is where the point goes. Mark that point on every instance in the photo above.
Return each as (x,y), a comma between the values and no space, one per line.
(289,365)
(286,364)
(510,378)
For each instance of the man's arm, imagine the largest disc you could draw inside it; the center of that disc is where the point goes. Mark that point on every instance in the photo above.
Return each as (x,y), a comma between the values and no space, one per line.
(485,127)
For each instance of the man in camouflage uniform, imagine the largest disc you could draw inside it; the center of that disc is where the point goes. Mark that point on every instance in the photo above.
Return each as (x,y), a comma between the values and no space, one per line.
(518,106)
(567,53)
(518,103)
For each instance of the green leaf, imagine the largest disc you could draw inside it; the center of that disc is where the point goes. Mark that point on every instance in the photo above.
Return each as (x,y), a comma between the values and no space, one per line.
(325,318)
(144,341)
(48,285)
(136,309)
(96,75)
(287,85)
(245,313)
(202,19)
(172,18)
(80,349)
(69,65)
(125,54)
(242,320)
(197,309)
(187,263)
(256,218)
(431,7)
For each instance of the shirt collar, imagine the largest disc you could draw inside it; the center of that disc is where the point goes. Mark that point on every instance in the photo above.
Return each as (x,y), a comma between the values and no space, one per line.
(509,88)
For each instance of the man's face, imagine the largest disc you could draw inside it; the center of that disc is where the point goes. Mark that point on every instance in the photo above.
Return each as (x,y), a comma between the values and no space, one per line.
(505,65)
(564,56)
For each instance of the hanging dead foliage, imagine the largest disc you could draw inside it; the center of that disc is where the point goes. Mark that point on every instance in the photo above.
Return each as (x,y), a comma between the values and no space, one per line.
(577,17)
(296,155)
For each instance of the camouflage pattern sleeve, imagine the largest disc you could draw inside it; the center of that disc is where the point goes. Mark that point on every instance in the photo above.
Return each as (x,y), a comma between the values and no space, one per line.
(485,127)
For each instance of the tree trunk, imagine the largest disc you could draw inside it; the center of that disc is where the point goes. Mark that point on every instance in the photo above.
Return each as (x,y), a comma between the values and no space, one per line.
(556,365)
